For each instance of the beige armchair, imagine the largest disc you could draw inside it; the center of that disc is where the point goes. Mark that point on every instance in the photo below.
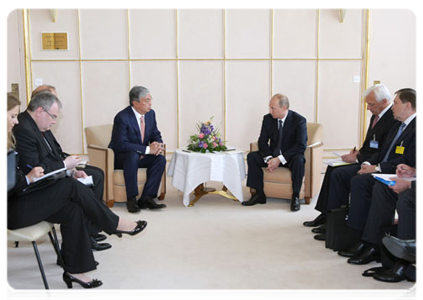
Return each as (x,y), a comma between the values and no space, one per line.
(278,184)
(98,138)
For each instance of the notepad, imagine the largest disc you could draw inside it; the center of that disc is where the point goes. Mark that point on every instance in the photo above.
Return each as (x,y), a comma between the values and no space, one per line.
(87,180)
(50,175)
(390,179)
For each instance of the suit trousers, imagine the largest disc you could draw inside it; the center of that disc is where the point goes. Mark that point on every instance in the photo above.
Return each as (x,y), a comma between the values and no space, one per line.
(406,208)
(72,205)
(255,172)
(130,162)
(381,212)
(339,188)
(97,189)
(360,200)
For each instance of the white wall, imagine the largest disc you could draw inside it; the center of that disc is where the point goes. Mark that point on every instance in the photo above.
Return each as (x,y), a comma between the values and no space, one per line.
(221,63)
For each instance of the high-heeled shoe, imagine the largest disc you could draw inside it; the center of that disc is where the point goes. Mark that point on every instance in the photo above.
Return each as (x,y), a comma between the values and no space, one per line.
(68,279)
(140,227)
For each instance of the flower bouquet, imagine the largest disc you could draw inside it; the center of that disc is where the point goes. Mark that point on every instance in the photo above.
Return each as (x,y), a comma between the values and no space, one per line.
(207,140)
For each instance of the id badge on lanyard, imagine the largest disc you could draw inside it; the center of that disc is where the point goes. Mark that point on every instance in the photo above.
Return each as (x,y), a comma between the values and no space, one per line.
(399,149)
(373,143)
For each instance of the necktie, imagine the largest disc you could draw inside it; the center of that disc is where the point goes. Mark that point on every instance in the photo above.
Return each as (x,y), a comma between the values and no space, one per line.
(45,139)
(394,141)
(142,125)
(375,121)
(279,142)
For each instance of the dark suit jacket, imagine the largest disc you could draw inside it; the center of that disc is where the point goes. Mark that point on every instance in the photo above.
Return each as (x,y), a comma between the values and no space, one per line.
(126,135)
(294,140)
(408,140)
(32,148)
(380,132)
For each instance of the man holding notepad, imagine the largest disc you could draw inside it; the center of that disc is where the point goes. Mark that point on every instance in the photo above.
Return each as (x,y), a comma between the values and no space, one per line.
(335,188)
(37,146)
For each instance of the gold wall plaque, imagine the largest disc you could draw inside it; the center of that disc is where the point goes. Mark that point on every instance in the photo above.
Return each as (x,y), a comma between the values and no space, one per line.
(55,40)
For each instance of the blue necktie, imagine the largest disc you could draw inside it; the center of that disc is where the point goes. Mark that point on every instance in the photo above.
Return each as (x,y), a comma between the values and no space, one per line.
(394,141)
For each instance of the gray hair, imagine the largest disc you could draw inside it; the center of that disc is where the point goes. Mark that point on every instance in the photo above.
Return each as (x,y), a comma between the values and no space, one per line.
(137,93)
(45,100)
(381,92)
(283,100)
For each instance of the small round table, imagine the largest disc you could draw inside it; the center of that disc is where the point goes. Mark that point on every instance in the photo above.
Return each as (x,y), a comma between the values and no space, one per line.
(190,170)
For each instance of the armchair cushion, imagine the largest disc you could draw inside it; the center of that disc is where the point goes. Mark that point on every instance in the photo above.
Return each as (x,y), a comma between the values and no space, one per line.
(278,184)
(98,138)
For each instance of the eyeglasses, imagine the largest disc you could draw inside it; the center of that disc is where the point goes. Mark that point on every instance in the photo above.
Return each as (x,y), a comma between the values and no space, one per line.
(53,117)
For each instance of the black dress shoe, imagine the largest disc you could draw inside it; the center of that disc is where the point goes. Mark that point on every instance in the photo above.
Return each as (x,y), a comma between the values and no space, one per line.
(68,279)
(99,246)
(396,274)
(256,199)
(131,205)
(320,220)
(372,271)
(140,227)
(99,237)
(369,254)
(413,294)
(149,203)
(295,203)
(321,229)
(403,249)
(320,237)
(355,250)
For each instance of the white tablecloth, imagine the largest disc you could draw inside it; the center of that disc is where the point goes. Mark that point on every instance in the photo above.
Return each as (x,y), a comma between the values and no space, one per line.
(189,169)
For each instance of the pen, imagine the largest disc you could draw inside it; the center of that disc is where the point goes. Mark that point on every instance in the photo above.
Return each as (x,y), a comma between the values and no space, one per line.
(354,149)
(29,167)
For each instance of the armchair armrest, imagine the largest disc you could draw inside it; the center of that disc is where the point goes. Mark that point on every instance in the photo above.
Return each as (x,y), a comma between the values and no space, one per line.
(103,158)
(315,145)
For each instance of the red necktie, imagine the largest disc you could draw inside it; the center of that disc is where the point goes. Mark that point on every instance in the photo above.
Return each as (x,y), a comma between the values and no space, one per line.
(142,125)
(375,121)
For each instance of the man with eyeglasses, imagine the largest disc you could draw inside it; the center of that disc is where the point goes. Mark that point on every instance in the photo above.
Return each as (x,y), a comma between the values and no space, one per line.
(37,146)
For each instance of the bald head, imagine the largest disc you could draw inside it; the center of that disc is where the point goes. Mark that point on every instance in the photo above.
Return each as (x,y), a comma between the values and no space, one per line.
(42,88)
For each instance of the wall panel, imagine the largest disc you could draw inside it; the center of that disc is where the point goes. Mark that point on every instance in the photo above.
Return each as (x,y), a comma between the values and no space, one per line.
(65,77)
(201,33)
(341,40)
(201,96)
(161,79)
(248,33)
(297,80)
(248,95)
(104,34)
(67,21)
(295,33)
(152,33)
(339,110)
(104,91)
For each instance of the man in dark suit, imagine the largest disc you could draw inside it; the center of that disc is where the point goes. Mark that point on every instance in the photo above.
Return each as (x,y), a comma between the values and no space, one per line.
(378,99)
(385,199)
(37,146)
(400,148)
(287,132)
(137,143)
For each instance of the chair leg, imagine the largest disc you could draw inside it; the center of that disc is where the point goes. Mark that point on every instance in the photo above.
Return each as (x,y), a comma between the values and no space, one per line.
(55,242)
(40,265)
(162,196)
